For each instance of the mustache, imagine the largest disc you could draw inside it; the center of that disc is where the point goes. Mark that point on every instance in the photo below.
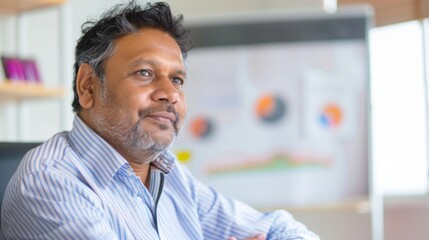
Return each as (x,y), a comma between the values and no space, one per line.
(166,108)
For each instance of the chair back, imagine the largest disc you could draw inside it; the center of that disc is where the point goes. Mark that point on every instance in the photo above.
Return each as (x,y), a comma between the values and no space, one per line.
(11,154)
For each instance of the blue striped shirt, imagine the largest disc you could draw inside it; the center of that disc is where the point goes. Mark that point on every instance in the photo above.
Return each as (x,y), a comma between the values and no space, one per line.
(76,186)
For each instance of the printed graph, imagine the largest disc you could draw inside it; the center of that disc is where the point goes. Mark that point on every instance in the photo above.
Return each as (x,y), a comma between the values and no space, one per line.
(331,116)
(201,127)
(270,108)
(279,161)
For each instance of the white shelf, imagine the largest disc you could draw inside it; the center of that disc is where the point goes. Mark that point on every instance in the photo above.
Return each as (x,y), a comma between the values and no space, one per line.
(17,6)
(10,91)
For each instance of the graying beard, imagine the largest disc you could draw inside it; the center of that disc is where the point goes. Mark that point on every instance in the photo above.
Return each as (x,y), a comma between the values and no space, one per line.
(136,145)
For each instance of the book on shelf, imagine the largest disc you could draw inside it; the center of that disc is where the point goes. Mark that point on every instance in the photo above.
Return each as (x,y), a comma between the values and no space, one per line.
(20,70)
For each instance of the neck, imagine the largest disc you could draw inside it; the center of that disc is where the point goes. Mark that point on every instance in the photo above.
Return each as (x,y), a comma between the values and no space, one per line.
(141,165)
(142,170)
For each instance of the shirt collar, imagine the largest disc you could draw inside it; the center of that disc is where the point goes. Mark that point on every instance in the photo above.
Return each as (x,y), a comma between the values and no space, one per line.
(165,162)
(102,160)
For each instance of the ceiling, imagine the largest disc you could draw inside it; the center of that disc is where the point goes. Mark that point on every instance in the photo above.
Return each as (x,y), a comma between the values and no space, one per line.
(393,11)
(386,11)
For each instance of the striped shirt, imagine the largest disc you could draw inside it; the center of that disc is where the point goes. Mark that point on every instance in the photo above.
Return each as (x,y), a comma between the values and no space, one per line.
(76,186)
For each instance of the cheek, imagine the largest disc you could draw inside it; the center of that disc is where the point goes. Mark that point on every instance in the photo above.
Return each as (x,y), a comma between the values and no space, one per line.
(183,108)
(134,100)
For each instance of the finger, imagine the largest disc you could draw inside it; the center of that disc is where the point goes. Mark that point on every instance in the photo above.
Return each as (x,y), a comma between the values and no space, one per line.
(259,236)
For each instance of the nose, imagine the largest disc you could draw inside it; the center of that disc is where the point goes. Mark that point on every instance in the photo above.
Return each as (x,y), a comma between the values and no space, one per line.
(165,91)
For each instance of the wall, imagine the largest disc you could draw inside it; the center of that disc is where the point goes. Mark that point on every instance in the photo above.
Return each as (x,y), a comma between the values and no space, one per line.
(38,38)
(41,33)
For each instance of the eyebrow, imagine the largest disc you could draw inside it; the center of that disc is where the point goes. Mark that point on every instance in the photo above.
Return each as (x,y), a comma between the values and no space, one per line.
(142,61)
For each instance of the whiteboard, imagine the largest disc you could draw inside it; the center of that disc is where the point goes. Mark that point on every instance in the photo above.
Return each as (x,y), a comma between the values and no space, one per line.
(277,110)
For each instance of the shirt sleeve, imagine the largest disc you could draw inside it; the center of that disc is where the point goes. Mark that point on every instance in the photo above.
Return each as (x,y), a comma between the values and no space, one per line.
(222,217)
(64,210)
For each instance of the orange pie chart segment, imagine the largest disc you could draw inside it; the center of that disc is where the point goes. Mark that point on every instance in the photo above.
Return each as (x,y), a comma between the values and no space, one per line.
(331,116)
(270,108)
(201,127)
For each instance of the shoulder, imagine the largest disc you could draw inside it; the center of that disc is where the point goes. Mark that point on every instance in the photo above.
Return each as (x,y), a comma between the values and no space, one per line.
(180,173)
(52,161)
(46,192)
(180,180)
(47,172)
(45,156)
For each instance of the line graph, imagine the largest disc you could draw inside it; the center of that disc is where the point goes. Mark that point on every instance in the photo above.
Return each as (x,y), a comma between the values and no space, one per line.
(273,162)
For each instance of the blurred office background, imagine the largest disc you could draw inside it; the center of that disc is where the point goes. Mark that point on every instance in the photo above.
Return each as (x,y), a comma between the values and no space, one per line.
(391,163)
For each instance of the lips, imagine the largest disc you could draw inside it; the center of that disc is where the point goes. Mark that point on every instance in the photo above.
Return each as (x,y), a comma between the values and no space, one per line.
(163,117)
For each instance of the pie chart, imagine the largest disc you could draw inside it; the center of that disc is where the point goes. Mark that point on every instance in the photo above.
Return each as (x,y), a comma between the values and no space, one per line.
(270,108)
(331,116)
(201,127)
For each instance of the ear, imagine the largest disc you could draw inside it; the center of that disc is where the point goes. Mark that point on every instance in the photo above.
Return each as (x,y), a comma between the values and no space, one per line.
(85,85)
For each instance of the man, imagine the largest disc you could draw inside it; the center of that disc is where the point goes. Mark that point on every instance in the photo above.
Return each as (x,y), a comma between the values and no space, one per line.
(112,176)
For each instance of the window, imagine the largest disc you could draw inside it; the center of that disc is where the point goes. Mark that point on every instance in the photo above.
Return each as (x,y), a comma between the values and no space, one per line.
(399,109)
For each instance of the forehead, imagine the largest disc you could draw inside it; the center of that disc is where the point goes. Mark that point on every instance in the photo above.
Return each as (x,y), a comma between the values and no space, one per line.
(147,40)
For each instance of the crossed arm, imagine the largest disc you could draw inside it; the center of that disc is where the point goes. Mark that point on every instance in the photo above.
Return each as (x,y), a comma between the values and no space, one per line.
(30,211)
(222,217)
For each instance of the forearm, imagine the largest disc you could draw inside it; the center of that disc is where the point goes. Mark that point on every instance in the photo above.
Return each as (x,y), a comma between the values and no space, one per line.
(225,217)
(284,226)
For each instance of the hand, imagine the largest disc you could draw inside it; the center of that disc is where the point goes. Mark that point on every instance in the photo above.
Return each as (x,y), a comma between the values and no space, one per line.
(259,236)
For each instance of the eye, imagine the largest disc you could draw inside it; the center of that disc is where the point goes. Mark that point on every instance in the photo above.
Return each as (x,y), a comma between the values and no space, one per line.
(144,73)
(177,81)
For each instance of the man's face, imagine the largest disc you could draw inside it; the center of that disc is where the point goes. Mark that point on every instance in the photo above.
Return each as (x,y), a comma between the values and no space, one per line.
(142,106)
